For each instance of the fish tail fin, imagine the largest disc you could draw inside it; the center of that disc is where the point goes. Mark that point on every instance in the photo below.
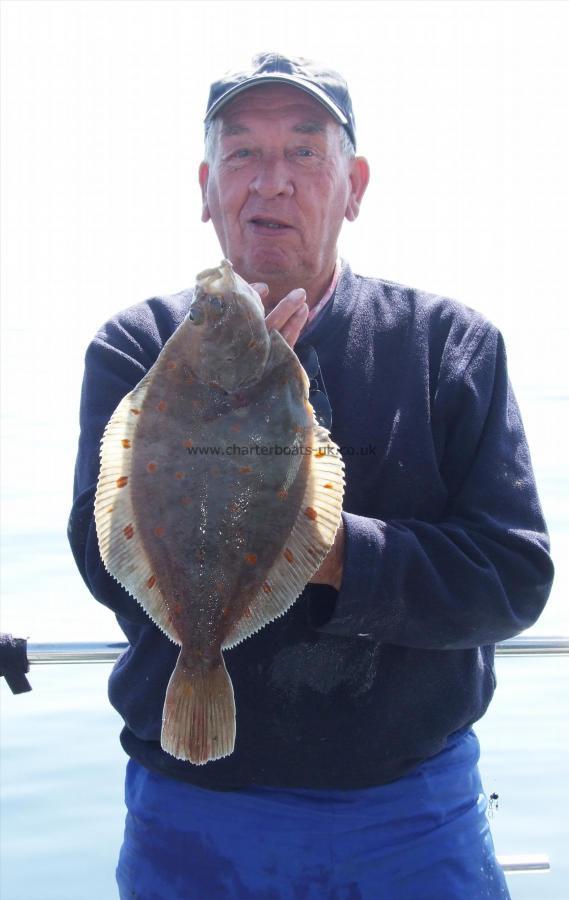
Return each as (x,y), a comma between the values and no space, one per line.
(198,723)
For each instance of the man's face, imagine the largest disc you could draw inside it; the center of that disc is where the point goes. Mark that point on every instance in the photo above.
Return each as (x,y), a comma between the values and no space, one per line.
(279,185)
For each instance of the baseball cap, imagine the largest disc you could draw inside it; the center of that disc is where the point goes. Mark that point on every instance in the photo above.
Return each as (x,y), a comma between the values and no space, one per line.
(325,85)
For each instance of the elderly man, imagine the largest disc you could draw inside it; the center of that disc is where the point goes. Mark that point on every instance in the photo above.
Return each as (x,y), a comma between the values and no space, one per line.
(355,768)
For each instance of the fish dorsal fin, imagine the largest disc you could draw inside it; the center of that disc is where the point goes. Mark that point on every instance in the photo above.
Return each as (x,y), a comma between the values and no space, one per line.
(309,542)
(121,548)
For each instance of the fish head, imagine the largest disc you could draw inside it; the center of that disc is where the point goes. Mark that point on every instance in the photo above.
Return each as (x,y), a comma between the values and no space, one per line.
(229,341)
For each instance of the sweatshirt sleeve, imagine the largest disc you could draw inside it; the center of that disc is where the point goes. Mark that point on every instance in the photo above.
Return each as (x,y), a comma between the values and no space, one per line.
(483,573)
(118,357)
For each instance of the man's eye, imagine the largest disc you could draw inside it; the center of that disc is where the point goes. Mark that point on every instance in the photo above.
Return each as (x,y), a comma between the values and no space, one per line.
(305,152)
(242,153)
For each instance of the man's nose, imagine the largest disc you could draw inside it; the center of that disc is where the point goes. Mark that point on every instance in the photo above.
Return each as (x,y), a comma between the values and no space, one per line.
(272,177)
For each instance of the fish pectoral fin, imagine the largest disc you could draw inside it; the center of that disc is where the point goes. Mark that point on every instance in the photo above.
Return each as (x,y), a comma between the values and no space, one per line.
(198,722)
(309,542)
(121,548)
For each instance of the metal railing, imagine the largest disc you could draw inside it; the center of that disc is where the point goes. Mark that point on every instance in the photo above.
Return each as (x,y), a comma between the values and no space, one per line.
(525,863)
(76,652)
(534,646)
(102,652)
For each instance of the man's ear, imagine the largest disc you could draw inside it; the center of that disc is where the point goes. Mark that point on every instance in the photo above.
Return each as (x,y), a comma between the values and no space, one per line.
(203,176)
(359,179)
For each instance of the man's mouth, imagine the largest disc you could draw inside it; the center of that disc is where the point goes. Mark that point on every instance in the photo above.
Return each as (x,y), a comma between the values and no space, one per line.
(268,224)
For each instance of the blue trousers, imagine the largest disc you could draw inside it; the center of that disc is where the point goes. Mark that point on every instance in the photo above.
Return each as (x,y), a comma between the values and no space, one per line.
(423,837)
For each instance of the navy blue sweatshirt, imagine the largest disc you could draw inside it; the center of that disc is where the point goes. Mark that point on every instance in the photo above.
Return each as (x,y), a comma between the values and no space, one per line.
(446,549)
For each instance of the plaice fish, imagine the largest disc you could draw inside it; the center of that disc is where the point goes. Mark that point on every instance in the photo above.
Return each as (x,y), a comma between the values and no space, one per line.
(218,498)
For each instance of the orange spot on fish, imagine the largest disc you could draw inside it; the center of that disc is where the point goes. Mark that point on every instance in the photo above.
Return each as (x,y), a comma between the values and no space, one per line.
(235,428)
(110,509)
(320,452)
(282,494)
(251,559)
(171,364)
(247,612)
(122,481)
(161,406)
(310,513)
(220,587)
(135,412)
(188,444)
(151,467)
(190,379)
(244,470)
(159,531)
(233,507)
(128,532)
(177,609)
(267,588)
(329,486)
(185,501)
(180,475)
(288,555)
(252,343)
(151,582)
(126,443)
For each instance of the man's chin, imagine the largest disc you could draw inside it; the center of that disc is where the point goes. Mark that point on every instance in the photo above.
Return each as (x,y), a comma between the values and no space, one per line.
(267,273)
(266,265)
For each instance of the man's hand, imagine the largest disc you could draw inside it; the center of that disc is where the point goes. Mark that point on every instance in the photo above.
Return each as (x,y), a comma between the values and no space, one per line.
(330,572)
(289,315)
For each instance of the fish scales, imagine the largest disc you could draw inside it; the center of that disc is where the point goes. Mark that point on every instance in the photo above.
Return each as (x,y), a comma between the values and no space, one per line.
(233,498)
(218,498)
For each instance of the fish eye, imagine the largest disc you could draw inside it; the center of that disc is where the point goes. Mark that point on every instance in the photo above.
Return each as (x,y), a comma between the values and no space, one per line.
(217,304)
(196,314)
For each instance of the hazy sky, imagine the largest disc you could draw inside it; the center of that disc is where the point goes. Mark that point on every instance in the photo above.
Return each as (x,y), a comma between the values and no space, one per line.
(461,109)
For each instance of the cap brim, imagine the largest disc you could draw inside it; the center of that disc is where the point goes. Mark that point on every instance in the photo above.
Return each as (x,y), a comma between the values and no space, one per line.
(314,91)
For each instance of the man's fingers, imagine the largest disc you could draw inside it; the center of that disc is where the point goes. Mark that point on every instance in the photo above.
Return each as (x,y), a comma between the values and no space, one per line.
(261,288)
(285,309)
(289,315)
(294,326)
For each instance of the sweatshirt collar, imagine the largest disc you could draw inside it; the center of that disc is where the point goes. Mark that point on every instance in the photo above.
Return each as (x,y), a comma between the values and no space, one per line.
(317,310)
